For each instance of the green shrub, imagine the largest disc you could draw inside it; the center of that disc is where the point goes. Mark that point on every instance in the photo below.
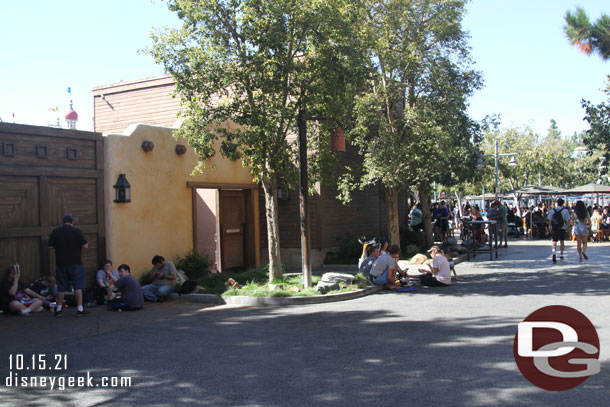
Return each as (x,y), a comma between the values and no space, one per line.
(194,264)
(146,279)
(349,251)
(411,237)
(214,283)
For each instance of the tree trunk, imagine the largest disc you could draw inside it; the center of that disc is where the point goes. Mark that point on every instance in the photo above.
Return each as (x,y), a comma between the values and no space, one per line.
(427,218)
(393,219)
(273,231)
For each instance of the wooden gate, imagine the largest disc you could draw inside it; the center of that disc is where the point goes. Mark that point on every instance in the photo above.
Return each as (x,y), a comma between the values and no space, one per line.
(45,173)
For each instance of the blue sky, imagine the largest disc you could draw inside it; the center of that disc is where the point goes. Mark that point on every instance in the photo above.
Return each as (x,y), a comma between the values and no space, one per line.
(531,73)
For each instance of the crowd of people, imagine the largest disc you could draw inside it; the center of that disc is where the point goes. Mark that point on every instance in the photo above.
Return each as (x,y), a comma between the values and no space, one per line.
(558,222)
(381,267)
(117,289)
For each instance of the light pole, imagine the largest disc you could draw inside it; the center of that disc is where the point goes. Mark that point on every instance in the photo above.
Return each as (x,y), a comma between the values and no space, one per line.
(496,155)
(337,145)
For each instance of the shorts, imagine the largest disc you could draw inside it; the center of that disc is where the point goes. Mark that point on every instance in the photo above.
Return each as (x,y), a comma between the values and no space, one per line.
(382,278)
(580,229)
(558,235)
(70,274)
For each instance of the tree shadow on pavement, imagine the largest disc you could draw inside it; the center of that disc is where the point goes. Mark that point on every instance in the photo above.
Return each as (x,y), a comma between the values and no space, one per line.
(302,356)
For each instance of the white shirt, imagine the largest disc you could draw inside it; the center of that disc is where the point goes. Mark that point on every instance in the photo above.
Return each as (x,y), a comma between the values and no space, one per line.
(441,263)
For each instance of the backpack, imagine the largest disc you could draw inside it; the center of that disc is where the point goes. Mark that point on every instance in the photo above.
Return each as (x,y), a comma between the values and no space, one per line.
(187,287)
(557,219)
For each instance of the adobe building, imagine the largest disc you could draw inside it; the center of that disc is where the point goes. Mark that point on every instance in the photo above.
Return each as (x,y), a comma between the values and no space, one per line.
(219,212)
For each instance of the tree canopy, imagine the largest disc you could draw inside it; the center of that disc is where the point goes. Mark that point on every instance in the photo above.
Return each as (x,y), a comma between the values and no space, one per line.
(243,69)
(412,127)
(589,37)
(598,117)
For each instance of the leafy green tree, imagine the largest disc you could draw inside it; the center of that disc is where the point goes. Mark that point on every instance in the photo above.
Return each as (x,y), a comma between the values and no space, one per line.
(243,70)
(587,36)
(544,160)
(411,123)
(598,117)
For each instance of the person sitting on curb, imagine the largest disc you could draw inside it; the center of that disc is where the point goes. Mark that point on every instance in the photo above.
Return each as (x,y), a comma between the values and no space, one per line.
(17,300)
(439,274)
(131,298)
(164,280)
(384,268)
(46,287)
(103,279)
(367,263)
(452,266)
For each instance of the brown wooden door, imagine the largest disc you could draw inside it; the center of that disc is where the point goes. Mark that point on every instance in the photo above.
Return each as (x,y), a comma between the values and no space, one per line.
(44,174)
(232,229)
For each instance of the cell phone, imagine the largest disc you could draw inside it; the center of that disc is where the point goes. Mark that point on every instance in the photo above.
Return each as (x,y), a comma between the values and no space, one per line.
(16,266)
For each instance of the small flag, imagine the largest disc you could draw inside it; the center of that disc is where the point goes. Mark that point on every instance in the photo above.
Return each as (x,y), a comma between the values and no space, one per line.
(54,109)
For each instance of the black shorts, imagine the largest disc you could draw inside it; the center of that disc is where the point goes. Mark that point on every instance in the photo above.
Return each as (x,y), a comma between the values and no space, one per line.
(558,235)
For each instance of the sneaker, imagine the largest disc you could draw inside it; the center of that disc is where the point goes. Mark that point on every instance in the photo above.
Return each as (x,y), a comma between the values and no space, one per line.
(561,256)
(59,313)
(82,313)
(585,256)
(554,258)
(579,258)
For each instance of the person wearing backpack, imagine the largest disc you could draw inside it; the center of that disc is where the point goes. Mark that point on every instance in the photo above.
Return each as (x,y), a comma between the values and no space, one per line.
(559,219)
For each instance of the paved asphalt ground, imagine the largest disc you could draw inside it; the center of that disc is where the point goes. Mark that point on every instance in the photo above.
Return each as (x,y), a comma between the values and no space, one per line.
(432,347)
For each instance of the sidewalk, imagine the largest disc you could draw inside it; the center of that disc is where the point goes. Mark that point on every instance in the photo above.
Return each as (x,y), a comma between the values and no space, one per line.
(436,346)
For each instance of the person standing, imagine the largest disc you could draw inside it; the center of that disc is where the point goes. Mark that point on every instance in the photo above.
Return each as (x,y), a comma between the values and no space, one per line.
(581,229)
(502,223)
(559,220)
(68,243)
(416,217)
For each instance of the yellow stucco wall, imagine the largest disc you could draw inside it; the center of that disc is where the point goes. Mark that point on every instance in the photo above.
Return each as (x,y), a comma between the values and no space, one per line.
(159,219)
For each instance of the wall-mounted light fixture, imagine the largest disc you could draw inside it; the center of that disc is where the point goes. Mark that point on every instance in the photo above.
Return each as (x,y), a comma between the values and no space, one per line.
(148,146)
(122,190)
(283,193)
(180,149)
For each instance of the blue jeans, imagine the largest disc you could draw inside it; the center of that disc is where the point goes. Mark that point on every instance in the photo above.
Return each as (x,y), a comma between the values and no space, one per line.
(153,292)
(382,278)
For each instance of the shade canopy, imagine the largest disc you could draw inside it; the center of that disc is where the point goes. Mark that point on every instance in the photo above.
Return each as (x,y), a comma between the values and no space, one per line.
(589,189)
(532,190)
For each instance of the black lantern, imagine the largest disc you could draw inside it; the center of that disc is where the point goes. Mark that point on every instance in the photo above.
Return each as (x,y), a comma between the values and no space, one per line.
(122,190)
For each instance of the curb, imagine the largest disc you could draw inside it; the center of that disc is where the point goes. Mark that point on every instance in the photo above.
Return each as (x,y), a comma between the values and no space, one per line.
(282,301)
(318,299)
(200,298)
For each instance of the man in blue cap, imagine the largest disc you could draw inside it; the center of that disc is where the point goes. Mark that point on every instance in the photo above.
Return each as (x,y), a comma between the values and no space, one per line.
(68,243)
